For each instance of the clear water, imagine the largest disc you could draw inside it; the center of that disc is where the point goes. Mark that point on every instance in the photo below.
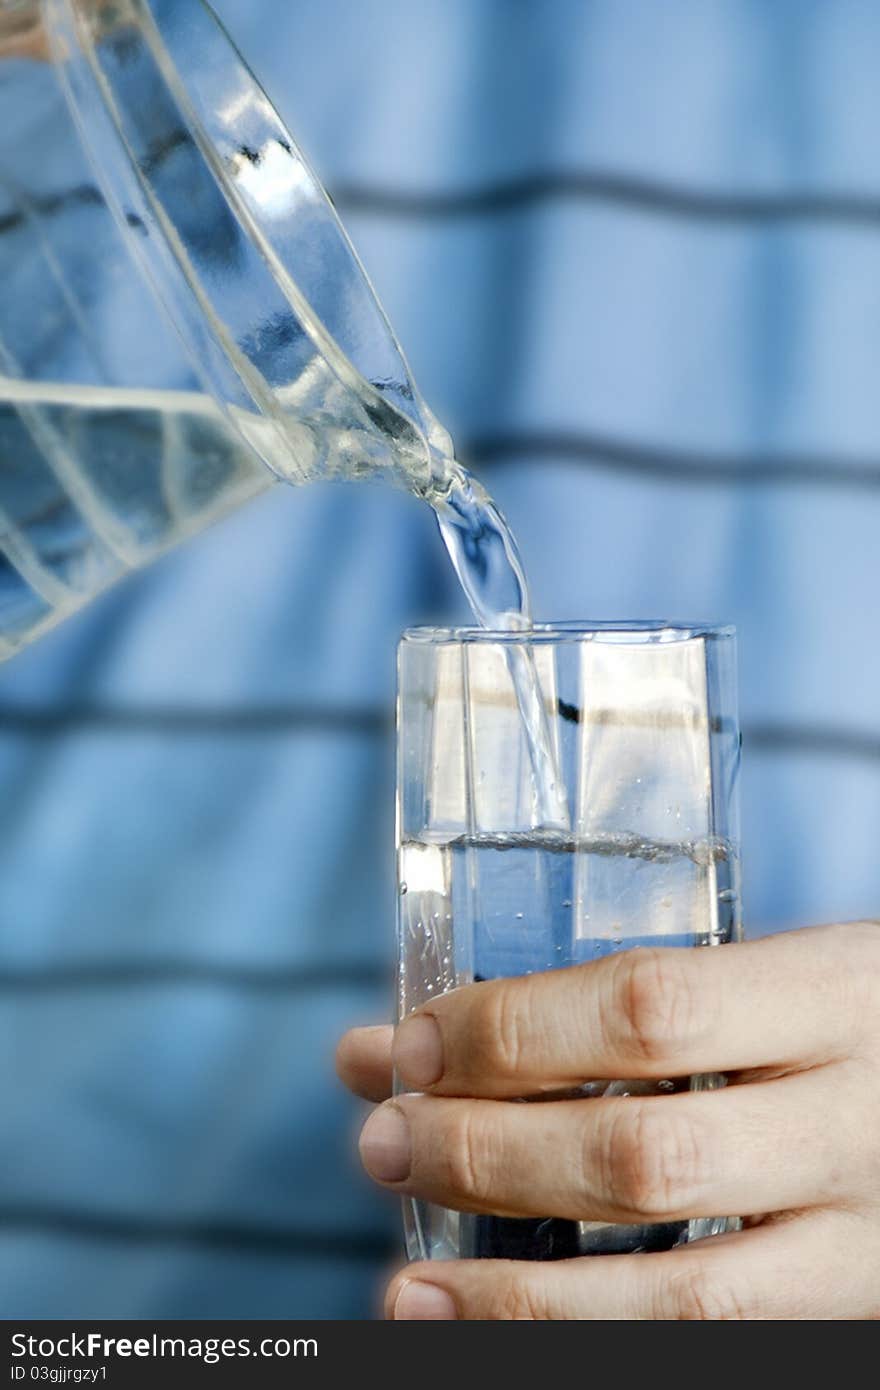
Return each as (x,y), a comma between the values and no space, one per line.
(488,565)
(481,548)
(97,481)
(94,482)
(477,907)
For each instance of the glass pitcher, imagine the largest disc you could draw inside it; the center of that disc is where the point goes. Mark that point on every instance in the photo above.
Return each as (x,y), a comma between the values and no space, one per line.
(183,320)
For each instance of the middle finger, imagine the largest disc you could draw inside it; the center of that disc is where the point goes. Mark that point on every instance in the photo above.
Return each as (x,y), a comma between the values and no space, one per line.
(733,1152)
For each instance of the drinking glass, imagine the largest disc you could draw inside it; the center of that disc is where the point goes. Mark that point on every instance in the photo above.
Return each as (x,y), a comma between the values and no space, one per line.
(641,739)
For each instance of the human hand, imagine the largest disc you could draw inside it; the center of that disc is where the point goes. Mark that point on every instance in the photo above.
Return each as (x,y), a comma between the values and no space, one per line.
(793,1143)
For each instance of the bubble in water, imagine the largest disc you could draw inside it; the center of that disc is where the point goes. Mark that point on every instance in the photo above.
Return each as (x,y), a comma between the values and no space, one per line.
(403,890)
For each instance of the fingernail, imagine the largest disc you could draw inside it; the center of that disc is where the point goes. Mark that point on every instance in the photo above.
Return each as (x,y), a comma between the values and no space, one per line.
(418,1051)
(418,1301)
(385,1144)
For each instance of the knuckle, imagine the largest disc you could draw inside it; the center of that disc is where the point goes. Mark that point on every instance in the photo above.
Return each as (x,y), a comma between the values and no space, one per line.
(469,1159)
(515,1298)
(499,1030)
(657,1003)
(656,1161)
(701,1293)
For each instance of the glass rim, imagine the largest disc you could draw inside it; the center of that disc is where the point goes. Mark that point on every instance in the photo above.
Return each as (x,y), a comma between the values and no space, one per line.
(637,632)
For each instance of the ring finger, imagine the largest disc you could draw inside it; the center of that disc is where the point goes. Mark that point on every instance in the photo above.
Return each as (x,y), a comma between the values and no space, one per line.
(822,1265)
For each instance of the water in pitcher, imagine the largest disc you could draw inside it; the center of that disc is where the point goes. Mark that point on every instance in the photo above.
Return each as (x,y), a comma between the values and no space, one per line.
(481,906)
(96,481)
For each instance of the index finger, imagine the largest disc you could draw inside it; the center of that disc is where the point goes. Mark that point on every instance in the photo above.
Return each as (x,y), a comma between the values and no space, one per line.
(792,1000)
(363,1061)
